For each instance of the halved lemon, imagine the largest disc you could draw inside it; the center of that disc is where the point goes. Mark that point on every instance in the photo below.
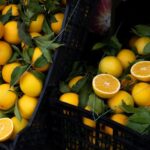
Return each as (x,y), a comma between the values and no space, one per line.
(105,85)
(6,129)
(141,70)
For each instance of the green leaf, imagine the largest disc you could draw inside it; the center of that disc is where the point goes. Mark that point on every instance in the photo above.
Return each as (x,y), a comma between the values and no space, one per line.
(5,18)
(6,112)
(128,108)
(2,2)
(24,35)
(17,112)
(2,115)
(16,49)
(84,95)
(141,30)
(40,62)
(97,105)
(46,27)
(63,87)
(27,55)
(16,74)
(14,57)
(98,46)
(39,75)
(147,48)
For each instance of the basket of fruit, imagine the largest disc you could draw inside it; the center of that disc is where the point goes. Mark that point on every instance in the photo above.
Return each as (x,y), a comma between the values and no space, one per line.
(29,32)
(103,103)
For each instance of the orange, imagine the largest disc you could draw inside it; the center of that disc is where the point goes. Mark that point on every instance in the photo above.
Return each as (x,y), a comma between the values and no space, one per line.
(56,26)
(8,69)
(1,30)
(70,98)
(105,85)
(36,25)
(36,54)
(8,96)
(18,125)
(30,84)
(141,94)
(116,101)
(5,52)
(110,65)
(87,121)
(14,9)
(119,118)
(126,57)
(6,129)
(74,80)
(11,32)
(140,43)
(141,70)
(27,106)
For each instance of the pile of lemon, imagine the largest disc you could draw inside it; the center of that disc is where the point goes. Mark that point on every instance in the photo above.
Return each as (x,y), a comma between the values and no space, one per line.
(23,94)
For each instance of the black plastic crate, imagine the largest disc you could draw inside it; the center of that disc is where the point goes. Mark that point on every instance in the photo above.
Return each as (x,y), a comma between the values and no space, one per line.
(67,130)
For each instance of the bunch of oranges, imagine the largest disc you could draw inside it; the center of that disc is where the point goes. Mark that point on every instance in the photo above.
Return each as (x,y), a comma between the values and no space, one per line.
(21,80)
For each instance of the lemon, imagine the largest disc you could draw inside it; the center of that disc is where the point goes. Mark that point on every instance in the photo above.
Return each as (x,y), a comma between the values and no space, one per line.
(105,85)
(126,57)
(8,69)
(30,85)
(141,94)
(27,106)
(7,97)
(5,52)
(6,129)
(18,126)
(36,25)
(11,32)
(141,43)
(14,9)
(116,101)
(70,98)
(56,26)
(74,80)
(110,65)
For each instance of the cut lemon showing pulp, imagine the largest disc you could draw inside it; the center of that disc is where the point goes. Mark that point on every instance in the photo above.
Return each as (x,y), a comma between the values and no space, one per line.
(6,129)
(141,70)
(105,85)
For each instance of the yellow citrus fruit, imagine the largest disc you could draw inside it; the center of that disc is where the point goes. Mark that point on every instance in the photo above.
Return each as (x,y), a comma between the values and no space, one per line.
(27,106)
(126,57)
(8,69)
(56,26)
(132,41)
(111,65)
(105,85)
(30,84)
(7,97)
(5,52)
(11,32)
(141,70)
(74,80)
(14,9)
(128,81)
(38,53)
(1,30)
(141,94)
(116,101)
(140,43)
(87,121)
(6,129)
(18,126)
(35,34)
(70,98)
(119,118)
(36,25)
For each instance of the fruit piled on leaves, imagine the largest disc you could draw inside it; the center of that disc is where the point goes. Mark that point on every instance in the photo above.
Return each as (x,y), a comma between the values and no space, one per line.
(27,45)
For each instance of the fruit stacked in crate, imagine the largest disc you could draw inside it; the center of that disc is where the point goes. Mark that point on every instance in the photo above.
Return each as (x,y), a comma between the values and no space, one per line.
(117,86)
(28,33)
